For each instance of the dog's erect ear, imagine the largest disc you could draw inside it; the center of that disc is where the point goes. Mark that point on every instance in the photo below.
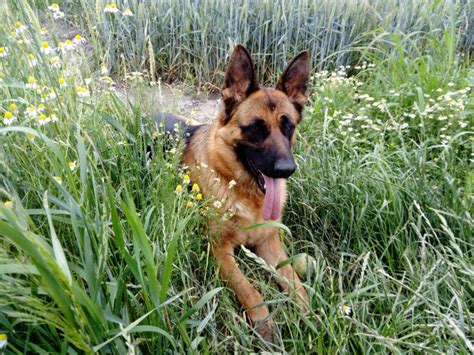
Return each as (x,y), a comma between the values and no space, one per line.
(295,79)
(240,80)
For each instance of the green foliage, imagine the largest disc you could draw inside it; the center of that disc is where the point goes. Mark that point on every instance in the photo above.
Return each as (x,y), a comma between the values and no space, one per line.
(100,251)
(191,40)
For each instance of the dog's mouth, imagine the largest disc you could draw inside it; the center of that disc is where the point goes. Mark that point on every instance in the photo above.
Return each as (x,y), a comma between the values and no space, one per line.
(271,188)
(257,174)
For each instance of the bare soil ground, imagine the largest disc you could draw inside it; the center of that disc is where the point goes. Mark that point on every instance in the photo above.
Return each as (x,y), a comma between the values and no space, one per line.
(177,99)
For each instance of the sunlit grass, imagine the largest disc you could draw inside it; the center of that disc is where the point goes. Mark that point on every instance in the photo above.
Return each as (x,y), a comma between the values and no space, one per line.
(189,40)
(104,249)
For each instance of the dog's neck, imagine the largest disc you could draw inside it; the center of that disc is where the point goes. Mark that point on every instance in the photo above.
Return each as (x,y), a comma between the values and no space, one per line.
(221,161)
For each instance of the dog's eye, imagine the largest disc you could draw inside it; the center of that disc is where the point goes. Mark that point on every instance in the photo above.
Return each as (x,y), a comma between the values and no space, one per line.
(255,132)
(287,127)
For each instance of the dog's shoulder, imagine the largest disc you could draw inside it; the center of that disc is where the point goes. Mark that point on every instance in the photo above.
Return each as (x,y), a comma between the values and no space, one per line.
(191,132)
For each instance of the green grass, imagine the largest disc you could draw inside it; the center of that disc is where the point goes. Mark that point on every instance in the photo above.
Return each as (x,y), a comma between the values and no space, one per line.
(191,40)
(113,259)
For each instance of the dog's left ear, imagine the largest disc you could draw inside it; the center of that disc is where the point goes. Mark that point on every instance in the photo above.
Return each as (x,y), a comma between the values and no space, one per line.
(295,80)
(240,80)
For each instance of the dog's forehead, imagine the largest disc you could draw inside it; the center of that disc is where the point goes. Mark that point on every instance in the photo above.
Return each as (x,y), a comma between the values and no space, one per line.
(268,104)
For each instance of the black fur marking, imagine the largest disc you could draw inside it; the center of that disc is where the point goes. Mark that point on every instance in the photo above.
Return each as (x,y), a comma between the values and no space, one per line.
(287,127)
(170,121)
(190,131)
(172,126)
(271,104)
(241,153)
(255,132)
(298,108)
(229,104)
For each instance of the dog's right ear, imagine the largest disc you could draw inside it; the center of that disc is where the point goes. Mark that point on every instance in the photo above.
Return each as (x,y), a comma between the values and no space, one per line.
(239,82)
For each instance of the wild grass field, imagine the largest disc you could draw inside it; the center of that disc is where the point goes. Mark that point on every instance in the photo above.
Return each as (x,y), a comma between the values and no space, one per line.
(99,250)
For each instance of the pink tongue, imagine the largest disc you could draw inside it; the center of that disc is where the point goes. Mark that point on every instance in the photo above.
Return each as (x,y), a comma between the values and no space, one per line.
(272,203)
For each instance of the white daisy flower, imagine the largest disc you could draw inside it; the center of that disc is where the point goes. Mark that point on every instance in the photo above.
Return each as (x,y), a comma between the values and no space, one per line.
(52,95)
(3,52)
(32,112)
(62,82)
(31,83)
(8,118)
(72,165)
(8,204)
(127,12)
(65,46)
(43,120)
(32,60)
(20,27)
(112,8)
(78,40)
(104,70)
(54,7)
(82,92)
(56,62)
(58,14)
(345,310)
(3,336)
(45,48)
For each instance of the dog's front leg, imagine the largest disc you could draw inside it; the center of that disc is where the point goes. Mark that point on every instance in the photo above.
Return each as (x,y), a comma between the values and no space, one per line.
(271,250)
(246,294)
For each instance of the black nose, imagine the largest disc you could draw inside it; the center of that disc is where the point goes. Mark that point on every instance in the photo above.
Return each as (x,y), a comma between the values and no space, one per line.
(284,167)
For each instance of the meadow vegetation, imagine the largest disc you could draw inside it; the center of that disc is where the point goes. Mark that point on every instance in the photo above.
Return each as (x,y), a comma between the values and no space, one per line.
(105,249)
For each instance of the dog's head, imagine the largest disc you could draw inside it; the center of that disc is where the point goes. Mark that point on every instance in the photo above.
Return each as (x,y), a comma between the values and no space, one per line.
(259,122)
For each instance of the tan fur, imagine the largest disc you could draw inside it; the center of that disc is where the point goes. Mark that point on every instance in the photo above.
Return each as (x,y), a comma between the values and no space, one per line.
(213,164)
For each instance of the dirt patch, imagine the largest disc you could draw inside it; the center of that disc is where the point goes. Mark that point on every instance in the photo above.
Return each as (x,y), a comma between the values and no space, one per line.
(171,98)
(175,98)
(201,107)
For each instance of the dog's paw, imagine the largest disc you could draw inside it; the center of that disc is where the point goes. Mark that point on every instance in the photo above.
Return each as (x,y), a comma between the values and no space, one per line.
(268,330)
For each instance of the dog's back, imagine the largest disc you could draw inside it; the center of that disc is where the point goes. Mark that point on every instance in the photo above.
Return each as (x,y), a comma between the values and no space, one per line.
(175,125)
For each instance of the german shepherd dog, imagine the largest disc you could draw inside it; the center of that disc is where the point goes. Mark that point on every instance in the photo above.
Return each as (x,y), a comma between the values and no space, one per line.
(249,144)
